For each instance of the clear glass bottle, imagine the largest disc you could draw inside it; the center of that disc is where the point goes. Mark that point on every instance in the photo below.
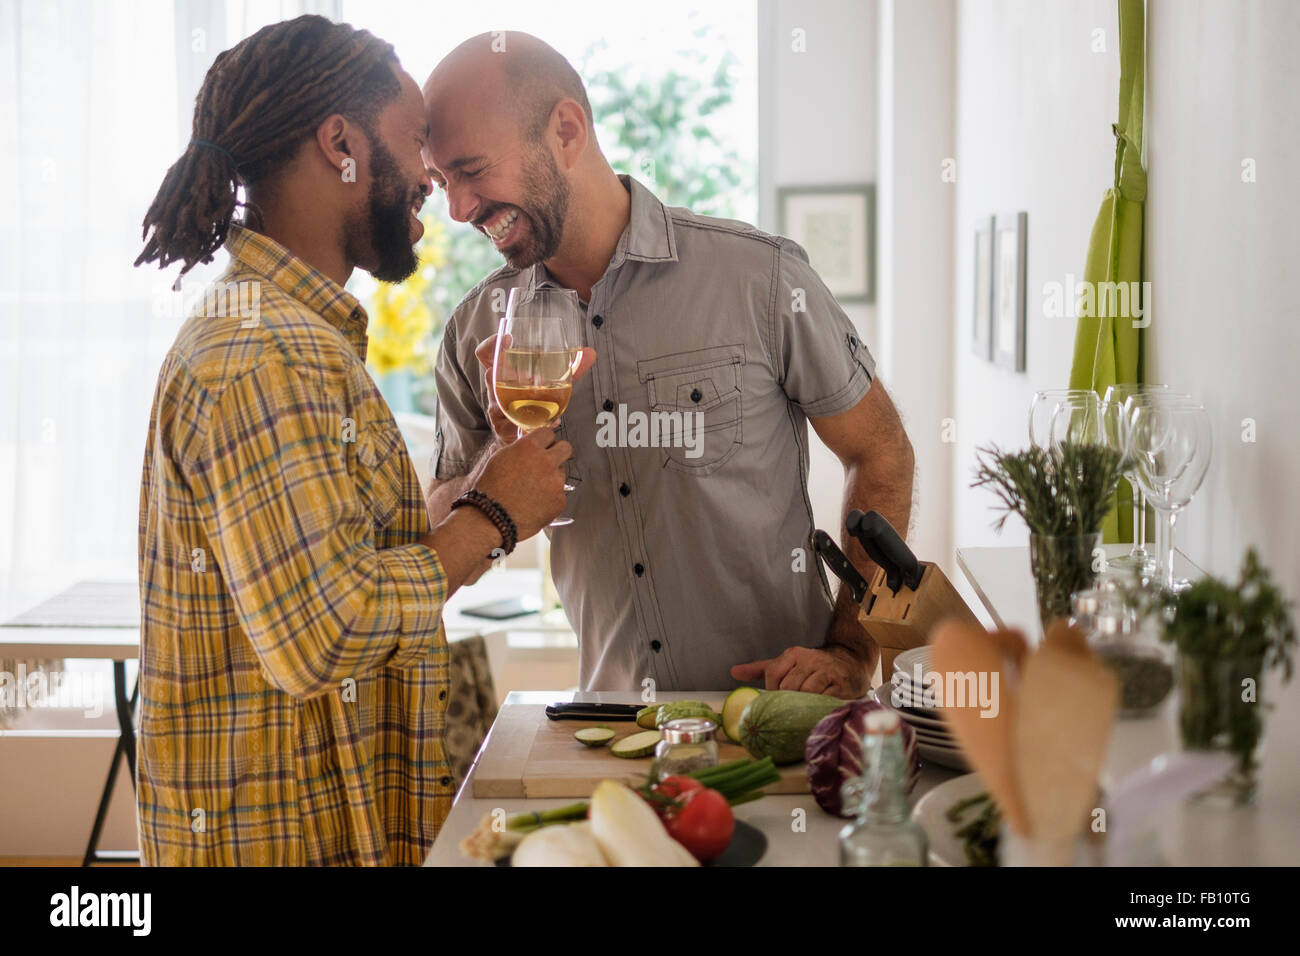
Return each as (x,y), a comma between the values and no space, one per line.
(685,744)
(883,833)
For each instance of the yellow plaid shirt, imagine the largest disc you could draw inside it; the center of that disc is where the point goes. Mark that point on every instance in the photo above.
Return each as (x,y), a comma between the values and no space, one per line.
(293,662)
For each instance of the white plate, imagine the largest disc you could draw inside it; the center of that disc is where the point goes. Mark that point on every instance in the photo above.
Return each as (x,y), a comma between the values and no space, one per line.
(949,757)
(933,739)
(882,694)
(930,813)
(906,661)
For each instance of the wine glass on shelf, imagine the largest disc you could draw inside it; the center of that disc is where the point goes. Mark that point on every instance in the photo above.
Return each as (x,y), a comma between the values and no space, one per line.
(1146,395)
(1042,411)
(1171,443)
(1077,419)
(1115,423)
(535,359)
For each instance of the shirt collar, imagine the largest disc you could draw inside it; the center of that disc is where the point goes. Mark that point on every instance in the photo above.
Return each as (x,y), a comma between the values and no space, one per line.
(648,236)
(296,278)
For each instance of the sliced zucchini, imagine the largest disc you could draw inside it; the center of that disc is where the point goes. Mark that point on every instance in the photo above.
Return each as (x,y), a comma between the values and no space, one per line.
(733,707)
(636,745)
(646,716)
(594,736)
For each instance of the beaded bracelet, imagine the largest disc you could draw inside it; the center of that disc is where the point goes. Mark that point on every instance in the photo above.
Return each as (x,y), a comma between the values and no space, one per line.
(495,513)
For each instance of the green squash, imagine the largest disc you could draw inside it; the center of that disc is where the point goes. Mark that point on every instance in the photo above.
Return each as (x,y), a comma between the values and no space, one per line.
(777,723)
(679,709)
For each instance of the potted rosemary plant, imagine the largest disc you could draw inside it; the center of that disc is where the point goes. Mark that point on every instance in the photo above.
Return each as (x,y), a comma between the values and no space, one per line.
(1228,636)
(1062,495)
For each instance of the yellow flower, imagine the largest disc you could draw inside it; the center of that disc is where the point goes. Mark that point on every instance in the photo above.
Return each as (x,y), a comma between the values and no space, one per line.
(402,316)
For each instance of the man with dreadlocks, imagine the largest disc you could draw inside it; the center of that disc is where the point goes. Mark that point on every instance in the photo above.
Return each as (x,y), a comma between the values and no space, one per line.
(293,665)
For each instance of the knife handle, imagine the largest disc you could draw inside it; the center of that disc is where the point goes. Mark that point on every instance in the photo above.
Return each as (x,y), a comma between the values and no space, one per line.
(884,546)
(840,565)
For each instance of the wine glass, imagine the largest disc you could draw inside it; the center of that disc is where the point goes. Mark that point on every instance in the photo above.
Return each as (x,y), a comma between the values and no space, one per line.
(1171,445)
(1115,423)
(1146,395)
(536,358)
(1043,408)
(1077,419)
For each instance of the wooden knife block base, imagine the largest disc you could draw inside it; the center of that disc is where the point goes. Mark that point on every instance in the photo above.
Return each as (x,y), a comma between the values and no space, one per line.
(899,622)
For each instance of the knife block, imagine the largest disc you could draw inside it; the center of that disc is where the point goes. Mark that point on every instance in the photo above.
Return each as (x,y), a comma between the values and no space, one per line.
(899,622)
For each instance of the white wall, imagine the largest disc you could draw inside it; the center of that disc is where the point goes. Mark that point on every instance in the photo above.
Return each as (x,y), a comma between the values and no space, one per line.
(817,125)
(1221,258)
(916,101)
(1034,111)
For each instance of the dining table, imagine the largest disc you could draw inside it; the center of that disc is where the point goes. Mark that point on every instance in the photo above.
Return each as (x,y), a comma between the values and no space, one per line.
(799,833)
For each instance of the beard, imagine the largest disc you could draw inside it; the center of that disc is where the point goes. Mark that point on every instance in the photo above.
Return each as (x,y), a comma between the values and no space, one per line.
(545,207)
(384,233)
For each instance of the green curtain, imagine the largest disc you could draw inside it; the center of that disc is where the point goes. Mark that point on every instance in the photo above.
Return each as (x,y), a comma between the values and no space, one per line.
(1108,349)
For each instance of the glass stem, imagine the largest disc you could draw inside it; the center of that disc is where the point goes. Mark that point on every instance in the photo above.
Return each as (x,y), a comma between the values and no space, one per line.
(1142,519)
(1165,547)
(1137,551)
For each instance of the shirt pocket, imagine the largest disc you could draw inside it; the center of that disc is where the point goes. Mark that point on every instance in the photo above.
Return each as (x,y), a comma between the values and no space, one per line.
(696,394)
(379,472)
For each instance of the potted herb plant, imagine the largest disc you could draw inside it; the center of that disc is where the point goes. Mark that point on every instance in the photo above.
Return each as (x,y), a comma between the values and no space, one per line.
(1228,636)
(1063,495)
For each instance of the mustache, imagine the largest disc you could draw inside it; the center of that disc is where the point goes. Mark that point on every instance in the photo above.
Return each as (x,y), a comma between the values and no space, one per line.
(479,220)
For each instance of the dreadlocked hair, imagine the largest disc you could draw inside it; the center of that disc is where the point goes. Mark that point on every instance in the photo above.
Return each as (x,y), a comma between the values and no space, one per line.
(259,101)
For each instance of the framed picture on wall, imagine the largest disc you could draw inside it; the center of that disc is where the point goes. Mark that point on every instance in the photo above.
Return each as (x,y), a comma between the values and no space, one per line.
(982,307)
(836,225)
(1009,245)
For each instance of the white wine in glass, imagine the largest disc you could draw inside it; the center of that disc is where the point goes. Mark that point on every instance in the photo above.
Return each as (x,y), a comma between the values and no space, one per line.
(536,389)
(535,358)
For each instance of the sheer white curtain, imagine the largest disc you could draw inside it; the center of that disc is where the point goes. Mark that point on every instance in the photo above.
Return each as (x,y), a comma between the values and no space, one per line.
(95,104)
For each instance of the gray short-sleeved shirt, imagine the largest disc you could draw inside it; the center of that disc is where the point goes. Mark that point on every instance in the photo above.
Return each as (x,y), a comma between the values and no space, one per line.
(682,560)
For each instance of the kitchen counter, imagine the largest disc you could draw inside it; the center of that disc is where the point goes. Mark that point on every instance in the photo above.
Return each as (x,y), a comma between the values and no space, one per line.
(798,832)
(1265,834)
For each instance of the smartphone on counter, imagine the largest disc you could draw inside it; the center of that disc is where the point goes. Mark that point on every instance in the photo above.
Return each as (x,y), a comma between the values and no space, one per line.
(505,608)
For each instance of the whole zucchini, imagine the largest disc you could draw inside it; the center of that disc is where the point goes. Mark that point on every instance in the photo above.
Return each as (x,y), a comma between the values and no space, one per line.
(777,723)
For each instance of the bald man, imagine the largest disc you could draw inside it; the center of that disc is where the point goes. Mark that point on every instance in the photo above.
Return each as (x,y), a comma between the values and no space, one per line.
(689,562)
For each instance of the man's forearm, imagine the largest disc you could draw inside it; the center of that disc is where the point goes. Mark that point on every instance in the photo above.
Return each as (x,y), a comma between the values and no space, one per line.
(464,542)
(886,487)
(441,493)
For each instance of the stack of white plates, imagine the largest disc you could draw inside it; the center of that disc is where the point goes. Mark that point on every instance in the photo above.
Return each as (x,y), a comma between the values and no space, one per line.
(902,694)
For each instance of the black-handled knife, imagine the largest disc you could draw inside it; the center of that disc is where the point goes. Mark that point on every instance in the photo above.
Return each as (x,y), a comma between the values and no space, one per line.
(884,546)
(840,564)
(576,710)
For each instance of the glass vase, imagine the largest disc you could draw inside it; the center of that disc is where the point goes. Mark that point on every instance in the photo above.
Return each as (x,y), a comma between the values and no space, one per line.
(1062,565)
(1220,711)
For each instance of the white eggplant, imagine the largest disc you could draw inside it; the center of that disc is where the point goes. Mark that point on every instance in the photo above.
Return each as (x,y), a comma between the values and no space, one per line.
(629,831)
(560,844)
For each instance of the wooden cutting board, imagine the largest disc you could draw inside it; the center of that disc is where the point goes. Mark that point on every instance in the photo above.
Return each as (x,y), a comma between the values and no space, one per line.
(526,755)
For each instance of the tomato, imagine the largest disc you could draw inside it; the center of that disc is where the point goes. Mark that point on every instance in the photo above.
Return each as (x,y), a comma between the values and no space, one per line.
(676,787)
(703,824)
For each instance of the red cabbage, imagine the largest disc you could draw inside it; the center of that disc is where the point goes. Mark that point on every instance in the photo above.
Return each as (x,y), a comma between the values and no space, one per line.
(834,753)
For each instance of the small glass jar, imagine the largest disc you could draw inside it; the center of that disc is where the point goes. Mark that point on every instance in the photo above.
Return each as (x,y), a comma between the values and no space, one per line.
(1084,606)
(1139,661)
(685,745)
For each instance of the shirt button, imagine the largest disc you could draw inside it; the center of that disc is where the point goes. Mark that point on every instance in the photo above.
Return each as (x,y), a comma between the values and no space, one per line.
(445,781)
(639,569)
(624,490)
(442,695)
(598,321)
(696,395)
(608,406)
(656,646)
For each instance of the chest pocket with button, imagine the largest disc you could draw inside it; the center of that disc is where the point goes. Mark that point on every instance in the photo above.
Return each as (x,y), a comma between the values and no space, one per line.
(377,470)
(687,390)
